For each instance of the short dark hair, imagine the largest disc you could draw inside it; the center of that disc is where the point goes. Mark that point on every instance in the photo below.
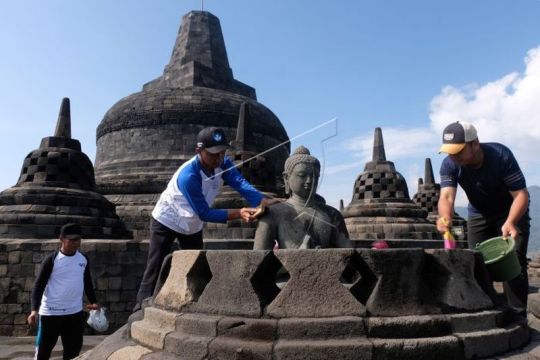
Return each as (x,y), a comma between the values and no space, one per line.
(71,231)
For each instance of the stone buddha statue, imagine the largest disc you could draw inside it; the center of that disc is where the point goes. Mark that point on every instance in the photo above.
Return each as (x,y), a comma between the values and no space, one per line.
(304,221)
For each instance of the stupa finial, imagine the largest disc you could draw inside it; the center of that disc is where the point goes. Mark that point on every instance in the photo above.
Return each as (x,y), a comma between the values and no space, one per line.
(378,146)
(63,125)
(428,172)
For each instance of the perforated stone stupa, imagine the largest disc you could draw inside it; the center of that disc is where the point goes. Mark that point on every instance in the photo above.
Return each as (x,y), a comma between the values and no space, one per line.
(428,198)
(146,136)
(382,209)
(57,186)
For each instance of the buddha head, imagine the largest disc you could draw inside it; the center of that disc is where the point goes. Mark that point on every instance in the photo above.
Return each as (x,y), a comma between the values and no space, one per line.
(301,175)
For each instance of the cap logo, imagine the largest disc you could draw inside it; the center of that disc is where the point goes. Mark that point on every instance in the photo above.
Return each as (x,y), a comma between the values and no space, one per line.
(448,136)
(217,136)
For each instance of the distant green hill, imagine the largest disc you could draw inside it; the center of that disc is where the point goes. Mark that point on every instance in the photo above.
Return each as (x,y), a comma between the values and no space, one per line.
(534,212)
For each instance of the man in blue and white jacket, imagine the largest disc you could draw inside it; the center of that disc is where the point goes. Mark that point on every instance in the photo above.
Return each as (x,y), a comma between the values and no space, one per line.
(184,206)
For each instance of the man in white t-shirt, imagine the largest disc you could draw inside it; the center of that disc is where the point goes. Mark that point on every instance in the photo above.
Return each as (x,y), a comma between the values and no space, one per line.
(57,296)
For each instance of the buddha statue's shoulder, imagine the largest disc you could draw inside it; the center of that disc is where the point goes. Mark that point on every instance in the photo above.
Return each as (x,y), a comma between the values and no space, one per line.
(334,213)
(281,209)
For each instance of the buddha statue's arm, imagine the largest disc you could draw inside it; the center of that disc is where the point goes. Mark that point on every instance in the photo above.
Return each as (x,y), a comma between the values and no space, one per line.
(341,234)
(266,233)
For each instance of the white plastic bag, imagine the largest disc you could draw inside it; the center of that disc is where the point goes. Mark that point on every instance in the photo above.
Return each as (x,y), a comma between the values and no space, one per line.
(97,320)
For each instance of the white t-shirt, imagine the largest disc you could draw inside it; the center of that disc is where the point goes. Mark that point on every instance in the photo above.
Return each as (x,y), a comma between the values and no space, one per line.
(64,291)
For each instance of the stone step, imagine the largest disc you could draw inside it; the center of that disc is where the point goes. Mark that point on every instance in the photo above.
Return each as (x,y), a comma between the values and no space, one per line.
(352,348)
(445,348)
(152,329)
(404,327)
(163,318)
(224,347)
(519,334)
(471,322)
(188,347)
(485,343)
(320,328)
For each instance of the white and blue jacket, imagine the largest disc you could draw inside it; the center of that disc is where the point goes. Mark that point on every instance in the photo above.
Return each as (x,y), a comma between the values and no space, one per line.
(185,203)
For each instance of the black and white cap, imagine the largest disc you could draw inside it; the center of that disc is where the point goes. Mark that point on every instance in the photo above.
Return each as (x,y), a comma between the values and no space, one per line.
(455,136)
(213,140)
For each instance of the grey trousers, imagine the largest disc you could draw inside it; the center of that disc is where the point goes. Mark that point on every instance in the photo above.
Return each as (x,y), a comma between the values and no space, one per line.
(161,241)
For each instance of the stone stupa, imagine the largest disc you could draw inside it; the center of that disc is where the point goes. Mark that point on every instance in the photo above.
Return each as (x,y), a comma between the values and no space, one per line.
(57,186)
(146,136)
(381,208)
(428,197)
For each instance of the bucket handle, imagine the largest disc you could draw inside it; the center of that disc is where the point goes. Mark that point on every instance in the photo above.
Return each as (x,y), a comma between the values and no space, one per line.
(504,252)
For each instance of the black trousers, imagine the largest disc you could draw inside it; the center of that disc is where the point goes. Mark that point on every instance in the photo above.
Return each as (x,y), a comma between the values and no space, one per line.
(480,228)
(161,241)
(69,327)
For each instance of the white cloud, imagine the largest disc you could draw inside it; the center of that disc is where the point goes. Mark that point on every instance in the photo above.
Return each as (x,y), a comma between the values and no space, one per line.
(506,110)
(399,143)
(334,169)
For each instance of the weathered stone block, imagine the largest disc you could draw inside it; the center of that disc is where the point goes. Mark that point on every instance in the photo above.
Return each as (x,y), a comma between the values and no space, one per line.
(225,348)
(102,283)
(519,334)
(321,328)
(450,276)
(400,288)
(20,319)
(419,326)
(189,347)
(440,348)
(111,295)
(353,348)
(472,322)
(484,343)
(14,257)
(115,283)
(156,324)
(198,324)
(129,352)
(230,290)
(187,279)
(249,329)
(37,257)
(307,295)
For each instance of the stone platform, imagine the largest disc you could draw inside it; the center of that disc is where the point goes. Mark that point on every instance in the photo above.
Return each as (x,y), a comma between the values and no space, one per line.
(331,304)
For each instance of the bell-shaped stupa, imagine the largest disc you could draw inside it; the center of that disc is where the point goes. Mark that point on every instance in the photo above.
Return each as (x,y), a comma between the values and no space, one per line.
(382,209)
(428,197)
(57,186)
(146,136)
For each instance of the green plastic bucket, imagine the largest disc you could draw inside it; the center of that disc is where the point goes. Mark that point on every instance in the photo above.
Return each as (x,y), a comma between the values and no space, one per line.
(500,258)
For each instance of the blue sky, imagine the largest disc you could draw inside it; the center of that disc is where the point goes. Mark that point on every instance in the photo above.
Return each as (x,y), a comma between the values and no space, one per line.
(409,67)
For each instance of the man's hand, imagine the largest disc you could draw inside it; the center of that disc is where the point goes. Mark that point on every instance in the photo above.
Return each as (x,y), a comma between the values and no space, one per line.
(246,214)
(92,306)
(32,318)
(443,224)
(509,228)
